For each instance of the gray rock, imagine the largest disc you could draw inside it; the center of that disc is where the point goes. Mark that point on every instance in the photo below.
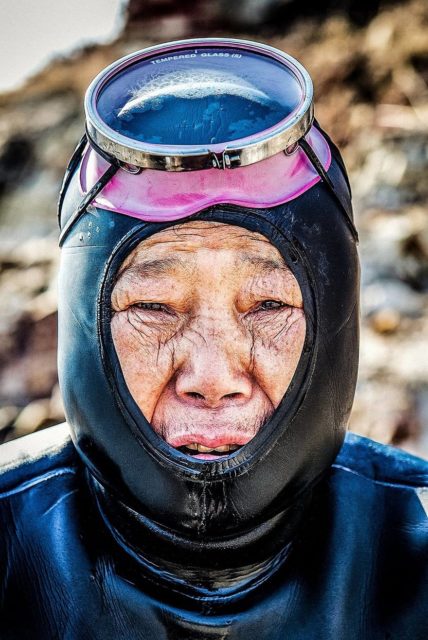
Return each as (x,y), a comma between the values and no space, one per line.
(392,295)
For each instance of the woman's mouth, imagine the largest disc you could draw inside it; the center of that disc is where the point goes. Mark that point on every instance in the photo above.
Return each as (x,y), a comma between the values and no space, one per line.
(207,435)
(202,452)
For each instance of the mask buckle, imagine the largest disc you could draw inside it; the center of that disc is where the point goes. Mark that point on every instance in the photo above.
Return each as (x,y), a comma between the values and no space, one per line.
(225,160)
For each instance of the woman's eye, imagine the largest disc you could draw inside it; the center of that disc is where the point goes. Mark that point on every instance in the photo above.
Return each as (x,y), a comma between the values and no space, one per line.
(150,306)
(269,305)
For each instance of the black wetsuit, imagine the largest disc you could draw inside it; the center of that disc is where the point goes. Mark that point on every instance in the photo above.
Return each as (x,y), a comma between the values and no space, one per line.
(355,568)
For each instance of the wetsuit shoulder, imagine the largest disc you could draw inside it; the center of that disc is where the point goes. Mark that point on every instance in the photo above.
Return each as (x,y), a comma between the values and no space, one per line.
(382,463)
(34,456)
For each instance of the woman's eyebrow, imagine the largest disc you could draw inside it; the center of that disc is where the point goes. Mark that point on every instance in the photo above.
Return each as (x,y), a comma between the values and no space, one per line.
(265,264)
(153,268)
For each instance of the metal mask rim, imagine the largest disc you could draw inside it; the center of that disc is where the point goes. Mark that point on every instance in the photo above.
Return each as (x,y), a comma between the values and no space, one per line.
(226,155)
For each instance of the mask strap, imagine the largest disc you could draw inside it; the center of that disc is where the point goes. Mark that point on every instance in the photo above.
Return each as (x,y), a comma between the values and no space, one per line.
(92,193)
(115,165)
(71,167)
(316,163)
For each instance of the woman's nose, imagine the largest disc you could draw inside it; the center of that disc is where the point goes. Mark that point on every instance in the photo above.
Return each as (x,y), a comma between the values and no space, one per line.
(214,370)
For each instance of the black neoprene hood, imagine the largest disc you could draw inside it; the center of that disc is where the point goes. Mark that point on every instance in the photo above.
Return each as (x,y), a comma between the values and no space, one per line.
(213,504)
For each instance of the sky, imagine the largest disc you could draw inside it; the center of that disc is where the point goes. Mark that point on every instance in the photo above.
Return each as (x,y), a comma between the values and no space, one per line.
(32,31)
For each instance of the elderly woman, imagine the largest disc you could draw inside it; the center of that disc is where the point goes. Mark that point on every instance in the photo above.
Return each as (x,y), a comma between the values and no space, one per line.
(208,357)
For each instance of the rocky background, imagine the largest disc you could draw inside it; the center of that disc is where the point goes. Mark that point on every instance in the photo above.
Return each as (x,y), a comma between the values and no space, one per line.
(369,63)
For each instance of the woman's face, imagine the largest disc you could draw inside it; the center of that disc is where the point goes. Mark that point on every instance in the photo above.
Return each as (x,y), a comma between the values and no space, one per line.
(208,325)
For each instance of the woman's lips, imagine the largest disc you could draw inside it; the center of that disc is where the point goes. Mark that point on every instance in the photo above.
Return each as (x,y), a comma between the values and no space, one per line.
(224,448)
(208,456)
(208,438)
(206,442)
(208,432)
(204,452)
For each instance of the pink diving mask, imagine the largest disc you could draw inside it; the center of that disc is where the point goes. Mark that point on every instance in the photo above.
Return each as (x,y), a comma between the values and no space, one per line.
(176,128)
(159,196)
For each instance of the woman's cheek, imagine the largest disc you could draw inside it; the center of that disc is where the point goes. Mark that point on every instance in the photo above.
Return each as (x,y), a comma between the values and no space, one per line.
(145,359)
(277,349)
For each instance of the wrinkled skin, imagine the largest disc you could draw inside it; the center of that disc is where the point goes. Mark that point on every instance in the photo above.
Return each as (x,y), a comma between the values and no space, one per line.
(216,317)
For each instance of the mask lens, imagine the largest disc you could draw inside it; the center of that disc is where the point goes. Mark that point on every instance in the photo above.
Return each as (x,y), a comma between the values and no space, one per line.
(199,96)
(199,104)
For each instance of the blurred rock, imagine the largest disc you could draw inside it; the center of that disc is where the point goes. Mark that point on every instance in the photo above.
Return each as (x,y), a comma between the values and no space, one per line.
(397,416)
(393,247)
(392,414)
(251,13)
(38,414)
(16,159)
(393,173)
(391,295)
(385,320)
(8,414)
(28,319)
(32,417)
(400,357)
(168,19)
(56,407)
(34,251)
(421,401)
(29,368)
